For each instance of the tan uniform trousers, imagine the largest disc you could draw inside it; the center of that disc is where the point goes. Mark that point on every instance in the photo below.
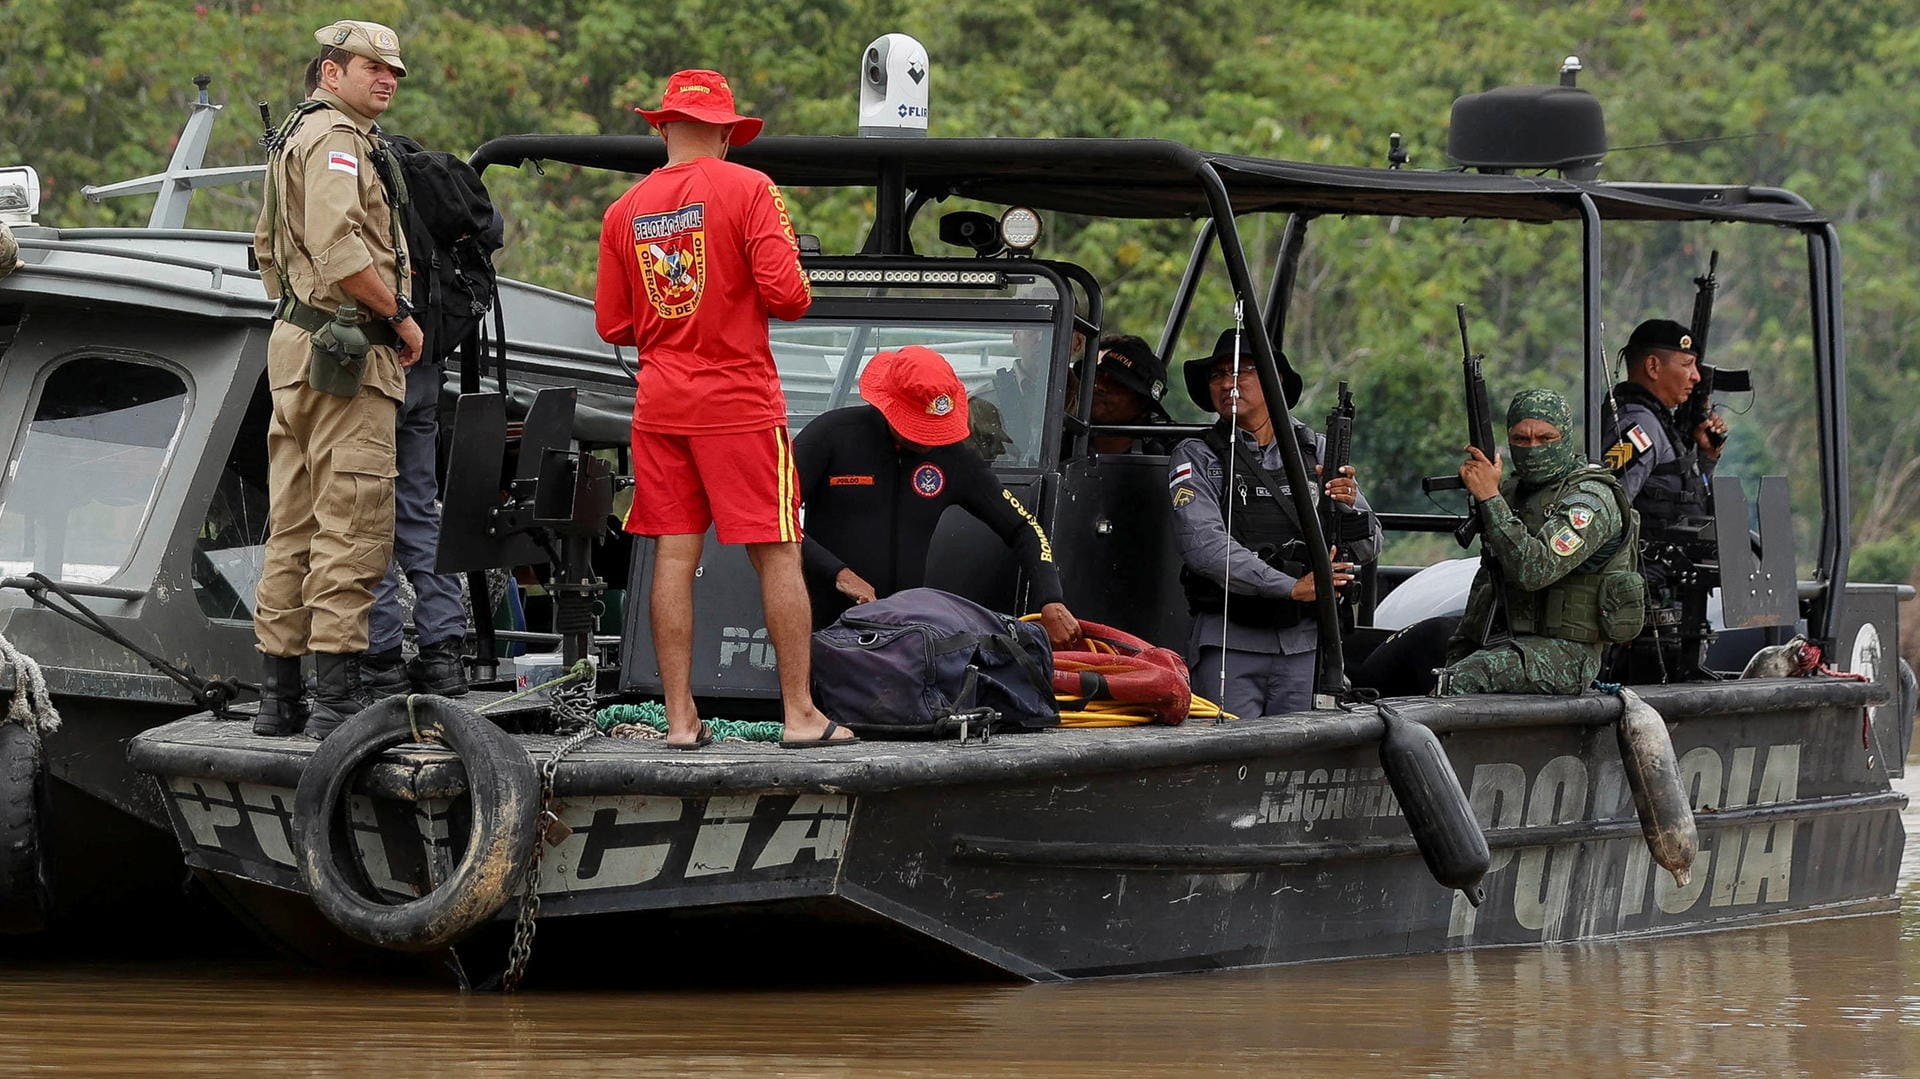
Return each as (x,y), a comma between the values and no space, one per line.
(330,469)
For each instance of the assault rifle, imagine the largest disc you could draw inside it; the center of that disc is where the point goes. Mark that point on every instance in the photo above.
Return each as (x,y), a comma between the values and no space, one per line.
(1479,429)
(1480,437)
(1341,524)
(1699,404)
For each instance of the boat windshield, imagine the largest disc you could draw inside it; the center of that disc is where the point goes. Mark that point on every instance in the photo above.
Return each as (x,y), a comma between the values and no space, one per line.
(83,474)
(1002,364)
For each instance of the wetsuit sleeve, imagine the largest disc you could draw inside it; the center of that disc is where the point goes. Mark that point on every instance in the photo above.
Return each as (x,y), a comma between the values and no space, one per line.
(335,219)
(1200,528)
(774,254)
(988,500)
(613,287)
(813,455)
(1583,521)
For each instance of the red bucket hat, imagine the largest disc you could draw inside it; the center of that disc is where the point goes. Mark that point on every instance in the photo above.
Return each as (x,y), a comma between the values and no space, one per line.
(706,97)
(916,390)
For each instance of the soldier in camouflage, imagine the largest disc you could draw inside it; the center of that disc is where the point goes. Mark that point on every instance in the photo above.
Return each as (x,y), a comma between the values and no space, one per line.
(1559,554)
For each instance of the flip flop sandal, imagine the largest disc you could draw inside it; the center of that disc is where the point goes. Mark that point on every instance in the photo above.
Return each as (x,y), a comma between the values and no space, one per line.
(705,739)
(826,739)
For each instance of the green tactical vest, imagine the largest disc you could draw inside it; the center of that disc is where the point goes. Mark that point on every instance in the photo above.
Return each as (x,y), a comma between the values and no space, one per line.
(1604,598)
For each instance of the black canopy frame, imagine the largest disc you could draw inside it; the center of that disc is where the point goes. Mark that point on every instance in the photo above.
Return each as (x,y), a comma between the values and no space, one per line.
(1160,179)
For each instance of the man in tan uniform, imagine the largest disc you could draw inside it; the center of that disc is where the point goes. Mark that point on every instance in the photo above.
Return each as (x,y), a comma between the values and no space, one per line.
(328,236)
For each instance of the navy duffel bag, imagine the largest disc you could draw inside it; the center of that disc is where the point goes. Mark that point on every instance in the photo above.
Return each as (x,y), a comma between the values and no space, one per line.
(906,666)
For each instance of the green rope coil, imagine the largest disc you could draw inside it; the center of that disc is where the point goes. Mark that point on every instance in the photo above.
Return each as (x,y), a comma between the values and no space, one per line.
(654,714)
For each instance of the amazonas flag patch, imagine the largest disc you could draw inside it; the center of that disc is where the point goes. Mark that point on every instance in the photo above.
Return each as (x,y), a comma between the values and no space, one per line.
(341,161)
(1181,474)
(1641,440)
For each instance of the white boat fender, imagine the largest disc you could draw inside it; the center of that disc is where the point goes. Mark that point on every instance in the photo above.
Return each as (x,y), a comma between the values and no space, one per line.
(1436,808)
(1659,796)
(504,790)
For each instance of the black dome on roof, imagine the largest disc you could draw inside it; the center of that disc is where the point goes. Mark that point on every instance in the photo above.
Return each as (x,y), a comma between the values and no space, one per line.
(1529,127)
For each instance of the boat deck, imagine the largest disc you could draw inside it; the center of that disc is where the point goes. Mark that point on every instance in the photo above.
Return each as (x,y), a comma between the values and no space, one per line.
(203,747)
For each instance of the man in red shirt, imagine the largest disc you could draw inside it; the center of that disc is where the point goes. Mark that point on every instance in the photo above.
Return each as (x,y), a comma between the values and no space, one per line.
(693,260)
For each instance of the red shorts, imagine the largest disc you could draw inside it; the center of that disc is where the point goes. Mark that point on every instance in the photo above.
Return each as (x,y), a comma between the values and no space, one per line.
(745,484)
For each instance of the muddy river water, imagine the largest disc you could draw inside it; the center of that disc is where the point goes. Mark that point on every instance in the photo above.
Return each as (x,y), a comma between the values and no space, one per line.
(1834,998)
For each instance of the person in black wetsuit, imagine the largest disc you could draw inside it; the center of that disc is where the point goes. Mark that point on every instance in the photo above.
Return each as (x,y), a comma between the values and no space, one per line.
(875,479)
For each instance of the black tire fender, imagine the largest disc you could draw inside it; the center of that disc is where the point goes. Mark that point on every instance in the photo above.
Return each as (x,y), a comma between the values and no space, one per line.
(23,872)
(504,789)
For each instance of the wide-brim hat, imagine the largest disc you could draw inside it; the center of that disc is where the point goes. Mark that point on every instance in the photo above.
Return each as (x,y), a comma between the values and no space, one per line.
(368,39)
(916,390)
(1132,363)
(703,96)
(1196,370)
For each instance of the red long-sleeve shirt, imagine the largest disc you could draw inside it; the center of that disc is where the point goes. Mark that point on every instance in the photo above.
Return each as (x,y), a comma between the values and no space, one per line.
(693,260)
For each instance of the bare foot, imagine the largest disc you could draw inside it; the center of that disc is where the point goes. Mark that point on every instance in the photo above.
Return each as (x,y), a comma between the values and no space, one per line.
(683,723)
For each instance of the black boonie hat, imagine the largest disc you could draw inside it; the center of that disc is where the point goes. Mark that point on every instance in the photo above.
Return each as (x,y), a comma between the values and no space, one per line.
(1196,371)
(1131,362)
(1661,333)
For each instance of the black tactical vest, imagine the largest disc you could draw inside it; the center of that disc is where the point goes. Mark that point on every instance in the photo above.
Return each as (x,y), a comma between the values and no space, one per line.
(1674,490)
(1263,524)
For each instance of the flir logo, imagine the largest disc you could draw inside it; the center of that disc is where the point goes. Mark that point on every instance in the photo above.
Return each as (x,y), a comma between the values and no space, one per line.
(913,110)
(738,641)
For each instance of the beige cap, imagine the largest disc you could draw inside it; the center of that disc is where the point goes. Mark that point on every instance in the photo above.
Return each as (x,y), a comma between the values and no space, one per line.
(368,39)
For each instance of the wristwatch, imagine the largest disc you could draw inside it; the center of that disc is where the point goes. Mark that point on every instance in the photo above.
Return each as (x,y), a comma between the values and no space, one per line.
(401,313)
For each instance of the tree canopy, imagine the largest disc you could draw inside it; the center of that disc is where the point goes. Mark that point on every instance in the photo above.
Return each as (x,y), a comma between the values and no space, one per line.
(1813,98)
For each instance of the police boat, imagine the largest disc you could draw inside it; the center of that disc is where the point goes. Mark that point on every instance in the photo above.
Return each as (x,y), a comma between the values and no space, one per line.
(1362,827)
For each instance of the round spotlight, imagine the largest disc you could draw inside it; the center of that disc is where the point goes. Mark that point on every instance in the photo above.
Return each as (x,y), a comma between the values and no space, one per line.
(1020,228)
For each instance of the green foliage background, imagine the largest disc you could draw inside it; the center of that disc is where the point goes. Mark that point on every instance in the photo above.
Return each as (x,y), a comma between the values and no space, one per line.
(1811,96)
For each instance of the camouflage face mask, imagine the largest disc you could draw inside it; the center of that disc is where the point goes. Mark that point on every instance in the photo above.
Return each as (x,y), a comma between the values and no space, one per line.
(1536,466)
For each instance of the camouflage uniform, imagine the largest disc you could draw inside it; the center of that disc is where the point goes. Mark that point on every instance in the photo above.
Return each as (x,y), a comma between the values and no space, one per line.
(1551,542)
(9,251)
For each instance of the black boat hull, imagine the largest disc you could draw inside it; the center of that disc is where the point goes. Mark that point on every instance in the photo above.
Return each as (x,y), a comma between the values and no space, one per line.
(1090,853)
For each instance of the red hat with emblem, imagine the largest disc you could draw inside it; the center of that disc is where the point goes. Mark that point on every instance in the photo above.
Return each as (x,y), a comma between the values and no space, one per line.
(916,390)
(703,96)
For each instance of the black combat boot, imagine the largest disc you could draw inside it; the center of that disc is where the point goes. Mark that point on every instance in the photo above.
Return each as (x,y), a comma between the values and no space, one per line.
(385,673)
(440,668)
(283,698)
(337,693)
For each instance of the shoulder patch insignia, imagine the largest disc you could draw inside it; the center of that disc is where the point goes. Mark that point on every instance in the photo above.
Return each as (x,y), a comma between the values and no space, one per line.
(1566,541)
(1181,474)
(1579,516)
(341,161)
(1618,455)
(1642,441)
(1182,496)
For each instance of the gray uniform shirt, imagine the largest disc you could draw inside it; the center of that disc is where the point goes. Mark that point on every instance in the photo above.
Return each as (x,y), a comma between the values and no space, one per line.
(1196,481)
(1637,417)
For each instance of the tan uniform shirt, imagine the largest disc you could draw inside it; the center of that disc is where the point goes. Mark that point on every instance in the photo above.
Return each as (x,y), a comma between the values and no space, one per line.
(336,221)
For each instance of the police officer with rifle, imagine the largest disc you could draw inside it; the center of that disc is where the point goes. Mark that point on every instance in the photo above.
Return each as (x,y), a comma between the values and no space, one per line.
(1664,441)
(1245,564)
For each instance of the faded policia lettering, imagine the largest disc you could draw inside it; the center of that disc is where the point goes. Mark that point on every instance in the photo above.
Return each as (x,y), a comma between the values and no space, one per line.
(672,250)
(1740,865)
(616,841)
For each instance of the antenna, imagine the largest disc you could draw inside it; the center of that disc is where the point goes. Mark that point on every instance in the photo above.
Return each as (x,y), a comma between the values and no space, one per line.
(1570,69)
(173,189)
(1396,153)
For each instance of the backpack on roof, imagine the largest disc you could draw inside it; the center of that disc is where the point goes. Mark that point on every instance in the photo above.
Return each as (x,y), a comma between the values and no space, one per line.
(452,231)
